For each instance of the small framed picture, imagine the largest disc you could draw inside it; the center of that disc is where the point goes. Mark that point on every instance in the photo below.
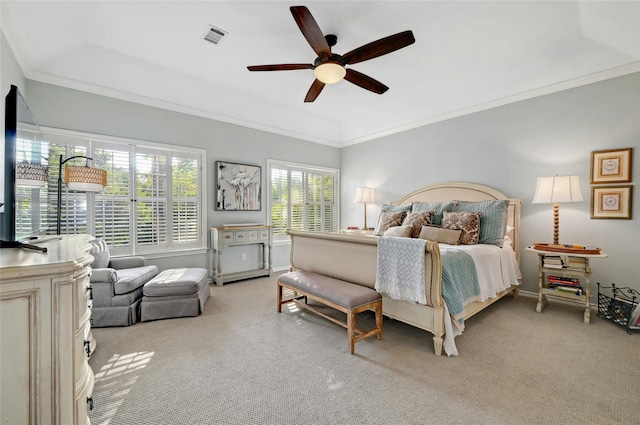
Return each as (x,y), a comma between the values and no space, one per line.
(611,201)
(611,166)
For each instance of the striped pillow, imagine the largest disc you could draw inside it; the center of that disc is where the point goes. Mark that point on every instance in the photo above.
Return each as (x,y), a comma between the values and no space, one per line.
(493,222)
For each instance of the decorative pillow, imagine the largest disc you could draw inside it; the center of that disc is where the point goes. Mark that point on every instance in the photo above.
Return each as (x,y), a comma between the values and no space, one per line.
(493,223)
(438,207)
(418,219)
(440,235)
(468,222)
(100,253)
(393,208)
(389,219)
(398,231)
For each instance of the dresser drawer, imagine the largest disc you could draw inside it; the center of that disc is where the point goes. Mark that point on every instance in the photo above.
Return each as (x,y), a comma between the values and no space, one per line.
(263,235)
(252,236)
(227,237)
(241,236)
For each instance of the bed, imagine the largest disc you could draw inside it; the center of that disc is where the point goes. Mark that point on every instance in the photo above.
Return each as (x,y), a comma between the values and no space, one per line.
(354,258)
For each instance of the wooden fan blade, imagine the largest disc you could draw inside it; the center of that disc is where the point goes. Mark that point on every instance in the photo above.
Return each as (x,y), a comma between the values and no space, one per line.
(364,81)
(281,67)
(379,47)
(314,91)
(311,30)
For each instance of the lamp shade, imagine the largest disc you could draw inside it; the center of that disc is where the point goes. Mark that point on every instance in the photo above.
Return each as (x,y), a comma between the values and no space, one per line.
(329,72)
(557,190)
(31,174)
(365,195)
(86,179)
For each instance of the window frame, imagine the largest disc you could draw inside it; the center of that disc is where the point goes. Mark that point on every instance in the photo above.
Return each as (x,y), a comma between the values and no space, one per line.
(91,141)
(305,168)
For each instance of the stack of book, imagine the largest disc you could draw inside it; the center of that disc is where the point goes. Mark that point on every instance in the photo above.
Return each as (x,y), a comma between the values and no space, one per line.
(552,261)
(566,284)
(577,263)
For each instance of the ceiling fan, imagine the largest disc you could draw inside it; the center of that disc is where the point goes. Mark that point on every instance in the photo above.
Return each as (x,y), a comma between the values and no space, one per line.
(329,68)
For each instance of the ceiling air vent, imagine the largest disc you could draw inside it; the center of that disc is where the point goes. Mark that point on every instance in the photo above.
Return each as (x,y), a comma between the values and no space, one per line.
(214,35)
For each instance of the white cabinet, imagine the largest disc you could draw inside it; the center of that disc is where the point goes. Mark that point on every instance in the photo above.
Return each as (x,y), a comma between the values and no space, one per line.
(45,333)
(227,236)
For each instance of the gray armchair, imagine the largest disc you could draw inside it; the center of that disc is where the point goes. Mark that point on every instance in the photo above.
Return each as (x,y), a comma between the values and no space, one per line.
(117,286)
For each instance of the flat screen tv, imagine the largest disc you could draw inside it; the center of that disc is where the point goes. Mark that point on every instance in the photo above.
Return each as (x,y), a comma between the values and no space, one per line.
(16,113)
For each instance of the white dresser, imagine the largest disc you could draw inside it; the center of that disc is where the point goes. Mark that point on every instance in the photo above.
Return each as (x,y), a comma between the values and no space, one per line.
(45,333)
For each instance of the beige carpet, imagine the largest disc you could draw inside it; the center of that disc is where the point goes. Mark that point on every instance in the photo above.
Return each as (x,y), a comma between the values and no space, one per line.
(240,362)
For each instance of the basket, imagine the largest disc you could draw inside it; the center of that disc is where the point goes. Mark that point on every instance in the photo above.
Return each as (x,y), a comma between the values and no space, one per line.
(620,306)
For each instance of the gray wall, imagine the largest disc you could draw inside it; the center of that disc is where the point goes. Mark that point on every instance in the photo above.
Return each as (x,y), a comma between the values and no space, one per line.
(508,148)
(59,107)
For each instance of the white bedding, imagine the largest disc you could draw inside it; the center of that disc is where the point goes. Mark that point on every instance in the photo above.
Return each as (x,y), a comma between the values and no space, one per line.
(497,270)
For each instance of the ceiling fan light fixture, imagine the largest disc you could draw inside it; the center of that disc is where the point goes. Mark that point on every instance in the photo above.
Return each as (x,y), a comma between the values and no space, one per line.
(329,72)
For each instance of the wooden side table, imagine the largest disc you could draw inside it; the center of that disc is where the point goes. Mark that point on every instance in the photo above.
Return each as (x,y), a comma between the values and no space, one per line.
(583,273)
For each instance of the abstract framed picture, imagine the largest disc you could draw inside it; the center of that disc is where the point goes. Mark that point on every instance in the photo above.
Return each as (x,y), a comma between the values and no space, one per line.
(611,166)
(611,201)
(238,187)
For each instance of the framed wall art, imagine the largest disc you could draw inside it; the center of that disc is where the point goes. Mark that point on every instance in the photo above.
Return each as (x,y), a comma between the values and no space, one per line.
(611,166)
(238,187)
(611,201)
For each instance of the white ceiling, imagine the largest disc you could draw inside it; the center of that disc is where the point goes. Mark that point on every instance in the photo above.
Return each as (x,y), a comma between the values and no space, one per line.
(468,56)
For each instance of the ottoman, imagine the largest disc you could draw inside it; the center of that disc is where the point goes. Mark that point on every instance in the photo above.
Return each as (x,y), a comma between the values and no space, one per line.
(174,293)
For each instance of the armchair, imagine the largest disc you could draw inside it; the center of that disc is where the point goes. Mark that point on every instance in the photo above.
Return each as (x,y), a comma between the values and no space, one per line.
(117,286)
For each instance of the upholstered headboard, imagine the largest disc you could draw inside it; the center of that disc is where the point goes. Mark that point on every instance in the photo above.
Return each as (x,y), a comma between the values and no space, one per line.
(460,191)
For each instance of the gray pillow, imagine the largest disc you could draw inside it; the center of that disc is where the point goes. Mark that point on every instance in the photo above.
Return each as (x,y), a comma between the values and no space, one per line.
(100,253)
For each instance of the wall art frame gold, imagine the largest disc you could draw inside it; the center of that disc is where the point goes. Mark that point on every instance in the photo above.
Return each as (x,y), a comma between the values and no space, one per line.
(611,166)
(611,202)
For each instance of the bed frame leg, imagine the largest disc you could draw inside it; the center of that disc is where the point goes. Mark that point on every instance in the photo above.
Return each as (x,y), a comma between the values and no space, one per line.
(437,345)
(516,293)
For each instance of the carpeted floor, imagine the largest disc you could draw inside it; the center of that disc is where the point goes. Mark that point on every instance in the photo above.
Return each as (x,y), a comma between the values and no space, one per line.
(241,362)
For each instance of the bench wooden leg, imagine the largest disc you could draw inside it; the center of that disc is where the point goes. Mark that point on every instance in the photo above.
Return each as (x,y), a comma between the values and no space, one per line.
(378,310)
(351,328)
(279,297)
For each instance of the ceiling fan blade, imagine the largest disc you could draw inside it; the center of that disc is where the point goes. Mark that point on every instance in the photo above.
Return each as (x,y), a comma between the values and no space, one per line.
(379,47)
(281,67)
(314,91)
(364,81)
(311,30)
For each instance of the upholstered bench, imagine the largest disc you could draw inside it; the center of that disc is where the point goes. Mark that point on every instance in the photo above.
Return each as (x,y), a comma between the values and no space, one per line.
(174,293)
(346,297)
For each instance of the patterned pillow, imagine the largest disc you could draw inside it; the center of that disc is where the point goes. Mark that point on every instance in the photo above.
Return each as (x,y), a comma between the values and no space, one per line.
(418,219)
(398,231)
(493,222)
(468,222)
(389,219)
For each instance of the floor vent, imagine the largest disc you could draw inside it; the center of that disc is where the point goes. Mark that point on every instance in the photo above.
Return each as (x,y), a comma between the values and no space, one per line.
(214,35)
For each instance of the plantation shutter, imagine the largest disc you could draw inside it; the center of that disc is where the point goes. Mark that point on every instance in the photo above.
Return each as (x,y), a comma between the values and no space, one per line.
(73,206)
(30,148)
(113,206)
(151,203)
(186,206)
(302,198)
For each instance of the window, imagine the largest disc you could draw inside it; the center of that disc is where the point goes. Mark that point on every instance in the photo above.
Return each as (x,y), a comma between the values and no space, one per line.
(152,202)
(303,197)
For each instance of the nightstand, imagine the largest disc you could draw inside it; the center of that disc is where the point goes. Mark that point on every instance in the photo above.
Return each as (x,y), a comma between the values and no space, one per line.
(556,267)
(361,232)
